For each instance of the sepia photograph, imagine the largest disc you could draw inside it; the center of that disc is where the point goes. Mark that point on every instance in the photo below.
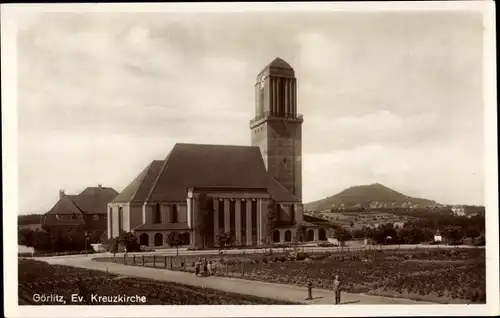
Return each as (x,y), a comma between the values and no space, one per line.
(340,158)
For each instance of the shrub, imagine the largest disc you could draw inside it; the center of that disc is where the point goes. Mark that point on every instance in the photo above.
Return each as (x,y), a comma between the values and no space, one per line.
(301,256)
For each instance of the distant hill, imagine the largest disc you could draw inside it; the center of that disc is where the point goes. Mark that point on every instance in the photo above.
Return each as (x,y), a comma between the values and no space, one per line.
(364,195)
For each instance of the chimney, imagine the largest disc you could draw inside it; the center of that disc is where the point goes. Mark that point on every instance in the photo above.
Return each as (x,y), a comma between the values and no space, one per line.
(61,194)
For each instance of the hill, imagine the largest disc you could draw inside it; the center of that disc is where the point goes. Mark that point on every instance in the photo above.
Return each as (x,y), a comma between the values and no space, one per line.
(364,195)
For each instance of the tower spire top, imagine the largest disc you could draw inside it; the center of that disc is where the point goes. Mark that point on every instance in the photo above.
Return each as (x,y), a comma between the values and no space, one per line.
(278,67)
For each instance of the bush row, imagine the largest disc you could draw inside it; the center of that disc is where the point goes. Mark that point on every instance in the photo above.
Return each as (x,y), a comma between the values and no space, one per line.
(41,254)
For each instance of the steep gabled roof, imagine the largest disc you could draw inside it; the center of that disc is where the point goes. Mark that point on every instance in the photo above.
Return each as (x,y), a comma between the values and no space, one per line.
(94,200)
(198,165)
(63,213)
(139,188)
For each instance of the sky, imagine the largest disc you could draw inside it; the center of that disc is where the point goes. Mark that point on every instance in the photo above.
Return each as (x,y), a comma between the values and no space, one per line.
(389,97)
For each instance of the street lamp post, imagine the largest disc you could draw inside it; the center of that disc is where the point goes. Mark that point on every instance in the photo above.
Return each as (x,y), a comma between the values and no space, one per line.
(86,242)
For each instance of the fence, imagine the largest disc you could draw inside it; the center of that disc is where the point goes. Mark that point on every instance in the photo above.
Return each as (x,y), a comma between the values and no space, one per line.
(240,263)
(179,263)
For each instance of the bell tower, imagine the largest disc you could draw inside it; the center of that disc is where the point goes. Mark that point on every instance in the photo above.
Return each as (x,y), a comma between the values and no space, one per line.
(277,128)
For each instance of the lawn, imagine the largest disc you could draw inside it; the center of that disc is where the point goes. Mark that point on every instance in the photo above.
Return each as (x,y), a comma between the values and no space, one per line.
(37,277)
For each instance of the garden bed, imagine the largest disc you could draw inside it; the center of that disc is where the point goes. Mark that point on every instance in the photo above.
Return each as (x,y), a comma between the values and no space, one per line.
(440,275)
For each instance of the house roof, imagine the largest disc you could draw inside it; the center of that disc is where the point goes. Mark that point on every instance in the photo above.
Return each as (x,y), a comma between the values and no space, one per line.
(316,221)
(139,188)
(198,165)
(92,200)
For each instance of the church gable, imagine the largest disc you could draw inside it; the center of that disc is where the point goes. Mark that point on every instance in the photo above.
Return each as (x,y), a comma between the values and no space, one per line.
(197,165)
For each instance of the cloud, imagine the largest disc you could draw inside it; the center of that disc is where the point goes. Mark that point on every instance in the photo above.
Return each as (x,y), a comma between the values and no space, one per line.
(386,97)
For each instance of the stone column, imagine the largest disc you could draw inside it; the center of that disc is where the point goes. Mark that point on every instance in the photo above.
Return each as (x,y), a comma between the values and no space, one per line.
(287,96)
(274,97)
(316,234)
(216,220)
(227,224)
(294,96)
(249,221)
(238,221)
(282,236)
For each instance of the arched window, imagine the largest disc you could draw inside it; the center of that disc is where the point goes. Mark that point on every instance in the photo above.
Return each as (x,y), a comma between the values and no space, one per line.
(322,234)
(157,214)
(158,239)
(310,235)
(144,239)
(288,236)
(276,236)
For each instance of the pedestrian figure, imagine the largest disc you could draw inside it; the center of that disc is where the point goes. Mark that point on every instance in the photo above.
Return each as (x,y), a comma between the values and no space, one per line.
(205,267)
(197,268)
(209,267)
(337,287)
(125,250)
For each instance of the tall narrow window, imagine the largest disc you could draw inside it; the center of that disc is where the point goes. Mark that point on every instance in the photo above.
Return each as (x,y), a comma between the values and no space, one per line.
(157,214)
(174,214)
(278,212)
(254,222)
(120,220)
(221,216)
(292,212)
(232,217)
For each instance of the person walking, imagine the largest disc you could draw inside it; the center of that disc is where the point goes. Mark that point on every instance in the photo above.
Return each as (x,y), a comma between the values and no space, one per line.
(197,268)
(337,287)
(209,267)
(205,267)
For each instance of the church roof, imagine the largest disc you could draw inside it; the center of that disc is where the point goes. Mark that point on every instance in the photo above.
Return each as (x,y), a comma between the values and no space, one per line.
(198,165)
(138,190)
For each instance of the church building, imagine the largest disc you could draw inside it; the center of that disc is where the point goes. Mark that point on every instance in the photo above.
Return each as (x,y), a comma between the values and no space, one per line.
(201,191)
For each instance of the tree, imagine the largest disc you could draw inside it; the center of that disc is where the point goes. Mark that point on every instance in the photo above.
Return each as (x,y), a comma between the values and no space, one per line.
(300,235)
(453,234)
(174,239)
(204,224)
(342,235)
(26,237)
(384,231)
(224,239)
(129,241)
(272,218)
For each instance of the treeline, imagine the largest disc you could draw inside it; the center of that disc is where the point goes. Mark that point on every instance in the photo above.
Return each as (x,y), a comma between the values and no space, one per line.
(63,240)
(453,230)
(29,219)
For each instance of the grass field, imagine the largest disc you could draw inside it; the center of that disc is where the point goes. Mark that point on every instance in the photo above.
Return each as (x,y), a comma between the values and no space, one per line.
(437,275)
(40,278)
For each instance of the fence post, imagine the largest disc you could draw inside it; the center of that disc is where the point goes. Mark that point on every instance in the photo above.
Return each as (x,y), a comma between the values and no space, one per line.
(171,262)
(124,259)
(133,259)
(227,270)
(154,261)
(165,264)
(242,271)
(142,260)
